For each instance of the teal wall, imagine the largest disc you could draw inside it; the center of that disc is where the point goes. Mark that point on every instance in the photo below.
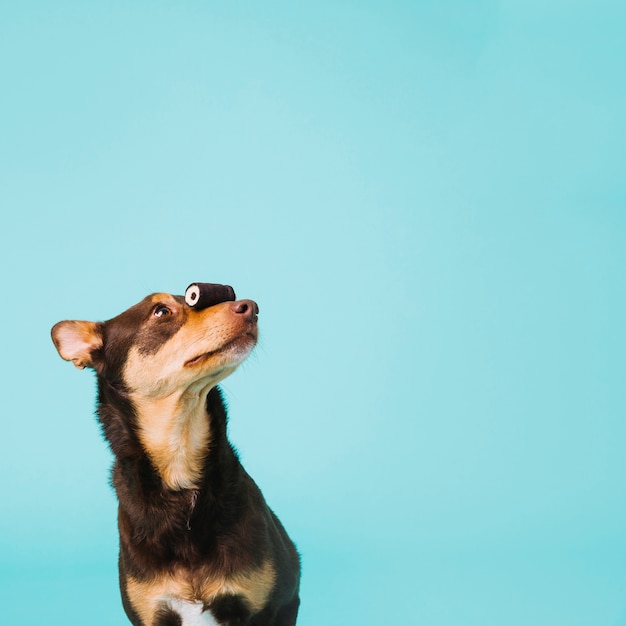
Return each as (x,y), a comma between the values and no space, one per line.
(428,202)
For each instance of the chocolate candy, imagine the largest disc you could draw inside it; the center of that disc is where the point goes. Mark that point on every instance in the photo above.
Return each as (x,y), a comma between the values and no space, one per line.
(203,295)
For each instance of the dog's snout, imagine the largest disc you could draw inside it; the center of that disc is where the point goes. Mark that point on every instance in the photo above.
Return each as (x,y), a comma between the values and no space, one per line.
(248,308)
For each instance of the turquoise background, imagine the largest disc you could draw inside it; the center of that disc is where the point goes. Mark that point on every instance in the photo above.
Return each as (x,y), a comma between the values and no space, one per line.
(428,202)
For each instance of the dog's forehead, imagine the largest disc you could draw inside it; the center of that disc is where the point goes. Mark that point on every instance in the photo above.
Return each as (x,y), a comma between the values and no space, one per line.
(132,319)
(133,327)
(142,309)
(162,298)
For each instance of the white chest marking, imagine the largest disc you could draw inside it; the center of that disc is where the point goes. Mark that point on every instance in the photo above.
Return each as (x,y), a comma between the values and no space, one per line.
(192,613)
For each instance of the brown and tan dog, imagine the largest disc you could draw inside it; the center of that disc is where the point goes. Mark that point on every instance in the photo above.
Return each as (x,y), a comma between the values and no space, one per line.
(198,544)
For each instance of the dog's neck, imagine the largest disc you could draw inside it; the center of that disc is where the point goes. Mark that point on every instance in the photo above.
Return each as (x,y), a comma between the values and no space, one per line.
(175,433)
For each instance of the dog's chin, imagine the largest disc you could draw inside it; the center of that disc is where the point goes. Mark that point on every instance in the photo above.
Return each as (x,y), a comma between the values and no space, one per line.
(231,354)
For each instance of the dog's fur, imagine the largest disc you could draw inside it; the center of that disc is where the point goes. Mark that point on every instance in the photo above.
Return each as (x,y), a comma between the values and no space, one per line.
(198,544)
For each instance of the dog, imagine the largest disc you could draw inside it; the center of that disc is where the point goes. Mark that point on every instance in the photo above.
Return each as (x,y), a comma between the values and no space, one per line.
(198,544)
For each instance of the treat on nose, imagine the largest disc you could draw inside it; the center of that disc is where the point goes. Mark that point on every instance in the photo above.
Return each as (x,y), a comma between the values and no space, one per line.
(203,295)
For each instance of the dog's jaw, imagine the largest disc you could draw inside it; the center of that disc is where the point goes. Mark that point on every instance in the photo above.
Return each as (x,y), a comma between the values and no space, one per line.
(236,350)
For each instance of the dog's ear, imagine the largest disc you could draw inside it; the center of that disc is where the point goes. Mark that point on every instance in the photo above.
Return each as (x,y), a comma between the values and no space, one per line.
(77,341)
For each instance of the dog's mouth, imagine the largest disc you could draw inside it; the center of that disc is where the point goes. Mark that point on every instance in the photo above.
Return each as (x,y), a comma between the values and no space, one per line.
(246,339)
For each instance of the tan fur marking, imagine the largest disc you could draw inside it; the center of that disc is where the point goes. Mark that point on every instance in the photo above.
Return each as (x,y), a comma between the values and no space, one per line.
(254,586)
(174,431)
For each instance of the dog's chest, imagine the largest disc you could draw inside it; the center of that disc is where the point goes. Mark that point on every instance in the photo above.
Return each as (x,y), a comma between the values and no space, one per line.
(192,613)
(187,593)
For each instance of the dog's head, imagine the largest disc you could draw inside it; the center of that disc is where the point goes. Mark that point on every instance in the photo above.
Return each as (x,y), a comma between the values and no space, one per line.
(162,345)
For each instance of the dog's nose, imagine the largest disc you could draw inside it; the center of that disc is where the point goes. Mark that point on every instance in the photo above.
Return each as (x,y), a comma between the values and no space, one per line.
(248,308)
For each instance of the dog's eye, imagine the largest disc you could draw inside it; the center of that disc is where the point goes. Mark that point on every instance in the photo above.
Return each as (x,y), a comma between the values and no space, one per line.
(162,311)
